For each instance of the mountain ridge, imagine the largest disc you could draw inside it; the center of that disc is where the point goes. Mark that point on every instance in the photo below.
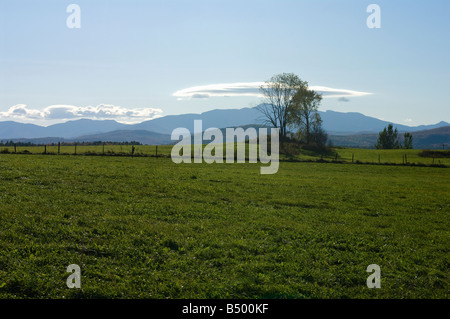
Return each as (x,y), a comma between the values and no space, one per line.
(335,123)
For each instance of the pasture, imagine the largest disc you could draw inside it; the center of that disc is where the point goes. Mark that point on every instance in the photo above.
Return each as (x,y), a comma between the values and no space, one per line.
(144,227)
(345,155)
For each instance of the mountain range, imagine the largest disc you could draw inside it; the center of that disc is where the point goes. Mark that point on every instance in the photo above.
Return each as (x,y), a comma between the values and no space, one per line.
(343,128)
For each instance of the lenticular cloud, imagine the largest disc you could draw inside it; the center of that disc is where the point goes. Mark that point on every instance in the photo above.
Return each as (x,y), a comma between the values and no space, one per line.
(226,89)
(252,89)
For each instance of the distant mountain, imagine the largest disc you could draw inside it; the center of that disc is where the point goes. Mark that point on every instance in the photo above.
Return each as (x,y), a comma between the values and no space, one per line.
(69,129)
(80,127)
(145,137)
(432,139)
(10,129)
(214,118)
(426,139)
(163,125)
(335,123)
(142,136)
(350,123)
(40,140)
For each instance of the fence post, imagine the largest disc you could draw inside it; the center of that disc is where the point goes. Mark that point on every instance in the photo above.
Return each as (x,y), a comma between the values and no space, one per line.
(59,147)
(75,148)
(45,149)
(406,159)
(103,148)
(15,148)
(379,158)
(156,150)
(353,156)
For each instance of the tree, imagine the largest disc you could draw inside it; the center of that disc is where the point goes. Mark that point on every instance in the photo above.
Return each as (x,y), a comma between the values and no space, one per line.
(388,138)
(407,141)
(318,135)
(304,115)
(278,95)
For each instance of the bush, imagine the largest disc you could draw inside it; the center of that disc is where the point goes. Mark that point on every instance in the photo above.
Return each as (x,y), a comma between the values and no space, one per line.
(316,148)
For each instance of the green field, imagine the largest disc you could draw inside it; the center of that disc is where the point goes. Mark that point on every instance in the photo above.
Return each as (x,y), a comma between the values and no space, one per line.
(145,227)
(343,154)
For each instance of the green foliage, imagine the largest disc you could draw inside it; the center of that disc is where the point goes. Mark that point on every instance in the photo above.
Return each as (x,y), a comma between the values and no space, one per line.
(318,136)
(407,141)
(388,138)
(305,117)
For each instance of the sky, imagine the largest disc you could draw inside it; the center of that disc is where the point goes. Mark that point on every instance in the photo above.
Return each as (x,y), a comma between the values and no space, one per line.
(133,60)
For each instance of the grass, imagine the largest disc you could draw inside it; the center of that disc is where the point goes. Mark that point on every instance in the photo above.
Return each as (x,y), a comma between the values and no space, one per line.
(145,227)
(345,155)
(388,156)
(148,150)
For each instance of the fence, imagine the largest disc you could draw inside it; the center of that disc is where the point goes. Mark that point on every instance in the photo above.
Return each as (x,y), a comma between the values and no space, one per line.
(103,149)
(356,156)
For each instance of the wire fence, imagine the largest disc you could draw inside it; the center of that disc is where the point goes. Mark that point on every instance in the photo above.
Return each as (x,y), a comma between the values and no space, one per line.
(356,156)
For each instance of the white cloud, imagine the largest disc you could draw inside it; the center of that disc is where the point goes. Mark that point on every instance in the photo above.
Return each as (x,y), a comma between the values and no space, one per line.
(222,90)
(252,89)
(408,120)
(21,111)
(67,112)
(337,93)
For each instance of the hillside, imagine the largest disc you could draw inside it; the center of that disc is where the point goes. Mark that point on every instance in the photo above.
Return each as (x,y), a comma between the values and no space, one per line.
(427,139)
(142,136)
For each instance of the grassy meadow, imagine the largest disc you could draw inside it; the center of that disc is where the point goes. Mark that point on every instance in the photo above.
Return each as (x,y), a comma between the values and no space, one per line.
(144,227)
(346,155)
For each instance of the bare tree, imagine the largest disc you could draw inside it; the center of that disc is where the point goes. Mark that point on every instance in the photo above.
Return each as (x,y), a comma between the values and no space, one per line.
(278,94)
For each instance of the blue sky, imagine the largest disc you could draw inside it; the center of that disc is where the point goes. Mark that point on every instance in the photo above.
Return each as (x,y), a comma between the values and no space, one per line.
(130,60)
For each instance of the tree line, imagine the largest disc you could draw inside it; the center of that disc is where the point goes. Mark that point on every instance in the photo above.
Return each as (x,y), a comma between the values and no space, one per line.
(95,143)
(388,139)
